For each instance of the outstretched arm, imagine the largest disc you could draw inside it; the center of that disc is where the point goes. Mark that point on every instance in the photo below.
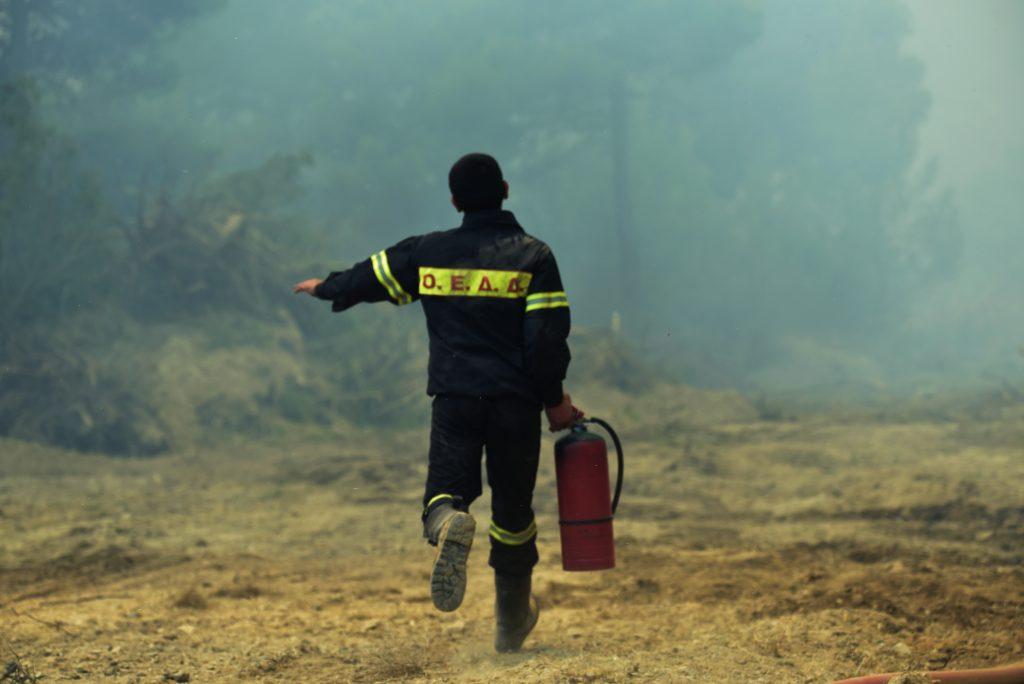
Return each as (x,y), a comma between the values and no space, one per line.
(387,275)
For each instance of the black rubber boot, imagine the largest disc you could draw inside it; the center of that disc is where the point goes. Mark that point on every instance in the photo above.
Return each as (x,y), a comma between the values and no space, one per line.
(516,611)
(452,530)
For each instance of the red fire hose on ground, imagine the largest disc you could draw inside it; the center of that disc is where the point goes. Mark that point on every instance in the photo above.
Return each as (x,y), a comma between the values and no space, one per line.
(1011,674)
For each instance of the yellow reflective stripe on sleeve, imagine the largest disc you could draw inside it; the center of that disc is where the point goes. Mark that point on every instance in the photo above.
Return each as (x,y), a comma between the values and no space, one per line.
(473,282)
(547,305)
(513,538)
(379,272)
(546,300)
(543,295)
(382,270)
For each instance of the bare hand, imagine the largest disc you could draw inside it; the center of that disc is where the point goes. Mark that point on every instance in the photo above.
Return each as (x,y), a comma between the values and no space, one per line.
(563,416)
(307,286)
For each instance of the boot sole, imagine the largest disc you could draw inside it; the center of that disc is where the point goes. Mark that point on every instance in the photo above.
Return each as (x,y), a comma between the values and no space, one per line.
(448,578)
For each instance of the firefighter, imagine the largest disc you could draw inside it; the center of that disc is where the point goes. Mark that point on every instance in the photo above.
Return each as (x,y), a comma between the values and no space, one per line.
(498,319)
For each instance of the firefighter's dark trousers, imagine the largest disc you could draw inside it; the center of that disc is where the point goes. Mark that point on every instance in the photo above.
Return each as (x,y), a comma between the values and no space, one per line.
(509,429)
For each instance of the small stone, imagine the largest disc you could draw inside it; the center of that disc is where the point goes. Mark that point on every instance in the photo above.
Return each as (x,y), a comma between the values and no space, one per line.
(901,649)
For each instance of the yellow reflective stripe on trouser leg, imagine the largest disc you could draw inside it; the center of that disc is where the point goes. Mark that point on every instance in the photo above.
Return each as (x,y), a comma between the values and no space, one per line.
(382,270)
(513,538)
(435,499)
(546,300)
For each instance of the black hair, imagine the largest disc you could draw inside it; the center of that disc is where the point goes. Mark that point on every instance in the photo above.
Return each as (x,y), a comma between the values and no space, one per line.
(476,182)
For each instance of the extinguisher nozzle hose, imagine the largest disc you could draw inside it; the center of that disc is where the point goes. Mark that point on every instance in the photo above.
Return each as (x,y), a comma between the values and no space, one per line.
(620,460)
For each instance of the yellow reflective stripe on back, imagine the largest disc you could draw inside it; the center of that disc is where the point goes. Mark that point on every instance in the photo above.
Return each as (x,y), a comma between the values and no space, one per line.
(473,282)
(546,300)
(513,538)
(382,270)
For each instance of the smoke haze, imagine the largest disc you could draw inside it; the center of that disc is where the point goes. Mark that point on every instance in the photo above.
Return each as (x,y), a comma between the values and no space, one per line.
(784,197)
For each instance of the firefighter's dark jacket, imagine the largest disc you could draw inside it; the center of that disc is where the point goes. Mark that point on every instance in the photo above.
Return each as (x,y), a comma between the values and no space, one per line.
(497,314)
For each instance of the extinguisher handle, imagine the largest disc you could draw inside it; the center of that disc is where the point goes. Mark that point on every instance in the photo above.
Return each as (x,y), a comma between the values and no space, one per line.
(618,451)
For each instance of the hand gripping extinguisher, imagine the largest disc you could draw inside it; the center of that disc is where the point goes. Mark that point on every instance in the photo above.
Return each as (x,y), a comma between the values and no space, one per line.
(584,510)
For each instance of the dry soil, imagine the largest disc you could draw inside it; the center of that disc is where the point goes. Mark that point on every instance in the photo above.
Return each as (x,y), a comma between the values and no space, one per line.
(749,551)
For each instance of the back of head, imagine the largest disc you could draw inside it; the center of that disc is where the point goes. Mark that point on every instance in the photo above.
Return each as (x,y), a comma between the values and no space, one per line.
(476,182)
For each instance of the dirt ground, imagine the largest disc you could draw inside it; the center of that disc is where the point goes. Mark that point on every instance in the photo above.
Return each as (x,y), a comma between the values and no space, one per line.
(749,551)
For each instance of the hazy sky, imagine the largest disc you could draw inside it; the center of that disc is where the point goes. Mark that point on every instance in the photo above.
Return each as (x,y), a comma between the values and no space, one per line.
(973,54)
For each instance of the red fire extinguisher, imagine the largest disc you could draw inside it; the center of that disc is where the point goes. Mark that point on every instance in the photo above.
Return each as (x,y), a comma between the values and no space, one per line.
(584,509)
